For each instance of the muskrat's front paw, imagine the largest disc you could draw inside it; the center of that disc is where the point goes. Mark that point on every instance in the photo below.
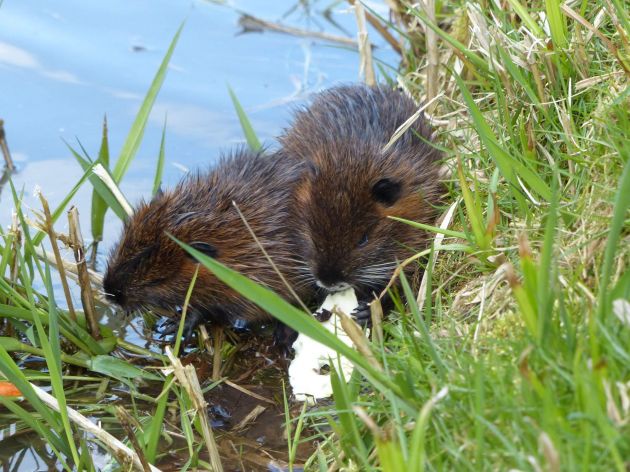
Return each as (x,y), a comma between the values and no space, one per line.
(171,326)
(362,314)
(284,337)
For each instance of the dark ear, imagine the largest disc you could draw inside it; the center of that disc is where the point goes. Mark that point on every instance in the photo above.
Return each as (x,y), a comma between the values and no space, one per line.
(387,191)
(207,249)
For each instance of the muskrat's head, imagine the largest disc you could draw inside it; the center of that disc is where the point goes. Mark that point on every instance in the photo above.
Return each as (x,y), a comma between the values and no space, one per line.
(344,201)
(148,269)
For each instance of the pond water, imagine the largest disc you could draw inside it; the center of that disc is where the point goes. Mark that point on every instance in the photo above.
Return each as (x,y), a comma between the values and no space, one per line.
(65,65)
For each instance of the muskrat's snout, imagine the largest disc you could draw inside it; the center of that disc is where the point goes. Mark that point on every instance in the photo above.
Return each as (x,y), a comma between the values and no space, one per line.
(331,278)
(114,289)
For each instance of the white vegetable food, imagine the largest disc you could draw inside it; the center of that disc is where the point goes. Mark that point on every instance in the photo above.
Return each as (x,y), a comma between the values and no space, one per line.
(305,371)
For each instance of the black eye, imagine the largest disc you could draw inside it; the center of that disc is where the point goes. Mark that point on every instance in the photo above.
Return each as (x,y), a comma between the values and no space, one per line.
(364,240)
(207,249)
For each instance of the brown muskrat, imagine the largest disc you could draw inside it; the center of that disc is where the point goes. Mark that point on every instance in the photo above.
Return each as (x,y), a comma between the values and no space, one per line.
(147,269)
(354,182)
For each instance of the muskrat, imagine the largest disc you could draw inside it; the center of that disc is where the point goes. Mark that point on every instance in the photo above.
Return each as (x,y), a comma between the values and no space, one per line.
(147,269)
(354,182)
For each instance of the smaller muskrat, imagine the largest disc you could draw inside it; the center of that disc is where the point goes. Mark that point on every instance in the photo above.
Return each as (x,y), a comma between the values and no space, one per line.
(353,183)
(147,269)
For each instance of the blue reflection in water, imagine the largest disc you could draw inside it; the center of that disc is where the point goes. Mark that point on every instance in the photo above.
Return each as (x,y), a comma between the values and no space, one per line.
(64,65)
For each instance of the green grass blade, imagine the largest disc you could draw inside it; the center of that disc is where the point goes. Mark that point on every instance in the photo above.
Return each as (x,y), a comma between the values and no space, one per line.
(99,205)
(546,273)
(248,130)
(432,229)
(52,350)
(510,167)
(37,425)
(473,211)
(477,61)
(350,434)
(422,326)
(134,138)
(620,208)
(15,375)
(531,24)
(557,23)
(159,170)
(154,429)
(99,186)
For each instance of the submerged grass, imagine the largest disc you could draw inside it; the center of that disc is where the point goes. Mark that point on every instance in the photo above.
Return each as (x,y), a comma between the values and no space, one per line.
(515,355)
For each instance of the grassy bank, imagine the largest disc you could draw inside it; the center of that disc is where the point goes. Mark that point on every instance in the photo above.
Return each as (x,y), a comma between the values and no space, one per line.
(515,351)
(518,356)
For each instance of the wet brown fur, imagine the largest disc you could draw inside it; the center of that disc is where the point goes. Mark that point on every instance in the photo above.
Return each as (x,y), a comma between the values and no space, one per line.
(148,269)
(336,203)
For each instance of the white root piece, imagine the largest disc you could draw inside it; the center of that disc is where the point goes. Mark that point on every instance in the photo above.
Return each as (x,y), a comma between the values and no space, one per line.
(305,371)
(123,454)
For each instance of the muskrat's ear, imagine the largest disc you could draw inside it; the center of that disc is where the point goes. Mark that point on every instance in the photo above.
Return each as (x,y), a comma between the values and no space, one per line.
(207,249)
(312,169)
(387,191)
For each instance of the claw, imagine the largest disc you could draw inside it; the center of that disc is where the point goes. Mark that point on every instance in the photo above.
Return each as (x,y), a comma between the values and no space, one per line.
(362,314)
(284,337)
(171,326)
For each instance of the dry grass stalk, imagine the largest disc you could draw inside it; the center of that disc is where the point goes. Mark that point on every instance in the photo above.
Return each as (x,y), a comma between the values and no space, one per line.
(433,55)
(15,248)
(71,269)
(217,339)
(621,31)
(252,23)
(204,337)
(187,378)
(5,148)
(366,67)
(376,314)
(125,456)
(591,81)
(407,124)
(249,418)
(50,230)
(102,174)
(128,422)
(248,392)
(87,297)
(607,42)
(356,334)
(382,30)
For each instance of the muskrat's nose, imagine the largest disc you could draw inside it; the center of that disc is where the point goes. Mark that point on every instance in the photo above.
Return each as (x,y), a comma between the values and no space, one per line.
(113,290)
(331,279)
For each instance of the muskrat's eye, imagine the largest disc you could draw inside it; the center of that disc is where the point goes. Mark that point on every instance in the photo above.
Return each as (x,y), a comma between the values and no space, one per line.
(363,241)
